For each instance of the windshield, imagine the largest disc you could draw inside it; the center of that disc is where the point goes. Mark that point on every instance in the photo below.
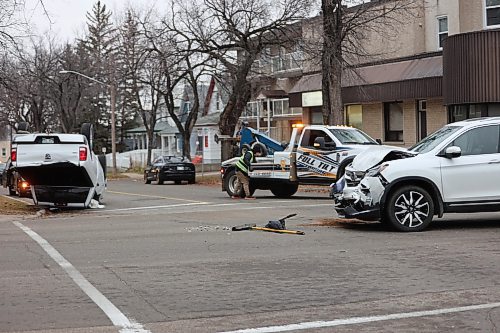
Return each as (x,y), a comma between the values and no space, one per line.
(352,136)
(434,139)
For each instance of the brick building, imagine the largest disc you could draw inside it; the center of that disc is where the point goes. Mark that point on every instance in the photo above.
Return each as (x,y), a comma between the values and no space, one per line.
(441,65)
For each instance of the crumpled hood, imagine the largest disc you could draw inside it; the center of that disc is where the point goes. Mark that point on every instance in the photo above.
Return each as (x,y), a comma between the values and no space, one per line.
(378,154)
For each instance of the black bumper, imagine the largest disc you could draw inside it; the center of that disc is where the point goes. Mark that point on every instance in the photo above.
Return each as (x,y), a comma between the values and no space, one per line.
(359,212)
(178,175)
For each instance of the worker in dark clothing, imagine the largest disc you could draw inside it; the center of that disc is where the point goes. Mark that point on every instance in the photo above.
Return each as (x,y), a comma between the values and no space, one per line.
(242,168)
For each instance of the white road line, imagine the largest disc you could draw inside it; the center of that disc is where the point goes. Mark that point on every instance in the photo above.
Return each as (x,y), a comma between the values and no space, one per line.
(150,196)
(151,207)
(241,206)
(114,314)
(361,320)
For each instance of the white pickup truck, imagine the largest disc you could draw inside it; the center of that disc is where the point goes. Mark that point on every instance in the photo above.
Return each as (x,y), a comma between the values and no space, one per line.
(317,154)
(62,168)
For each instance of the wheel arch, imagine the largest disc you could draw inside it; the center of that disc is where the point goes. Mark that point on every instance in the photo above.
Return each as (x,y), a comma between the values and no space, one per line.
(343,165)
(425,183)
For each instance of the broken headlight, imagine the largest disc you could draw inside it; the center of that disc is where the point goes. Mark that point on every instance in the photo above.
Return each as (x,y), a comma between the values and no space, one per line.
(376,171)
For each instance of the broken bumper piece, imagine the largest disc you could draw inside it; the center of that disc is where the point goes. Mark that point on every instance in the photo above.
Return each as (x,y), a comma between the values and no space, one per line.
(359,212)
(362,201)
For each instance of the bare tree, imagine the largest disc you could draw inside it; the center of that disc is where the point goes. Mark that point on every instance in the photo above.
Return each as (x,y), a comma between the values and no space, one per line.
(184,65)
(223,29)
(346,23)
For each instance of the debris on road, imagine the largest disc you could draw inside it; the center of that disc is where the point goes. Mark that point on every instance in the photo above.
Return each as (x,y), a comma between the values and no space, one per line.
(208,228)
(272,226)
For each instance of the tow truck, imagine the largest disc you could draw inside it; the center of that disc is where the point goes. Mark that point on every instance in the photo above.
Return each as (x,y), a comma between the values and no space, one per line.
(315,155)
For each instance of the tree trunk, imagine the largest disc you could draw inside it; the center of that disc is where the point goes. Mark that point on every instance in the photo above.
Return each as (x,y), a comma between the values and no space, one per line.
(150,136)
(237,103)
(333,111)
(186,145)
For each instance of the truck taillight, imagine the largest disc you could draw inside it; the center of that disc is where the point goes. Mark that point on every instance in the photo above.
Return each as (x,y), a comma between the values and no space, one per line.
(13,155)
(83,153)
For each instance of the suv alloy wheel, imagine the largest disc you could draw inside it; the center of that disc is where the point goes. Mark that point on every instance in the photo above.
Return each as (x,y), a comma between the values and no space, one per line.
(410,208)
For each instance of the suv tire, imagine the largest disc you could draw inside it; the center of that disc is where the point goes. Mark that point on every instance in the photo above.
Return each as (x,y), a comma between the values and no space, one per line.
(409,208)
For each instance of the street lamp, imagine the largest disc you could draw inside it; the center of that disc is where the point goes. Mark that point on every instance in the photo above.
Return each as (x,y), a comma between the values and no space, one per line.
(112,92)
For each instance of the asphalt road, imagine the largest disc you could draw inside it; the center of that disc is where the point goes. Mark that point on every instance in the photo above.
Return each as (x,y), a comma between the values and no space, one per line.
(163,259)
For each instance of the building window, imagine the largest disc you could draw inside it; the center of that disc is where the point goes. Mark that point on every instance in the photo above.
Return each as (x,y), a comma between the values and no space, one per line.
(492,13)
(280,107)
(252,110)
(354,116)
(468,111)
(393,120)
(442,30)
(4,152)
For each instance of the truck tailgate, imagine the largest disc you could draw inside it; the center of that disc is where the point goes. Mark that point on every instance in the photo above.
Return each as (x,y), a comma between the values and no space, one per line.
(32,154)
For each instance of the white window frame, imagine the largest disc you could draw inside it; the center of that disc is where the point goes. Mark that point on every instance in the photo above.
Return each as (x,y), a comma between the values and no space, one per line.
(439,33)
(485,16)
(282,100)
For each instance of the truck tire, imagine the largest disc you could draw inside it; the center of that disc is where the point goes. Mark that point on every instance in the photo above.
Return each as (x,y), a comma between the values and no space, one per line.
(87,130)
(285,190)
(23,126)
(102,161)
(230,184)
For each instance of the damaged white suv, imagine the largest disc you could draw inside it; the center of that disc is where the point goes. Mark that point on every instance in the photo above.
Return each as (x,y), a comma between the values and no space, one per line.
(456,169)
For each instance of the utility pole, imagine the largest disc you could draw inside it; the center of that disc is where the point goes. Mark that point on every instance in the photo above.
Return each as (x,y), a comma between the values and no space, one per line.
(112,92)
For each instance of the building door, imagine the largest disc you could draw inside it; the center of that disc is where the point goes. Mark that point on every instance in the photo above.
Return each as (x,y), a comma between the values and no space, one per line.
(421,119)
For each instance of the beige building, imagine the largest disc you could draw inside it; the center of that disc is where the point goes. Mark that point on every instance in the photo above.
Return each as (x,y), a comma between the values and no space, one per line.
(438,62)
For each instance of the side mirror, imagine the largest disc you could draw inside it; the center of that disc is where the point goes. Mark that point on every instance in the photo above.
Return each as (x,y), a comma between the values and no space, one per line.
(453,152)
(378,141)
(319,143)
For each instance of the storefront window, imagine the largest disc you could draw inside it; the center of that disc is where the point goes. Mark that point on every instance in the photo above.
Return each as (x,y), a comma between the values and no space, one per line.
(354,116)
(468,111)
(393,119)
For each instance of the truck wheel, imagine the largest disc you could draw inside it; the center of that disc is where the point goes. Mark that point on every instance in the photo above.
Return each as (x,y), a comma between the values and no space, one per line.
(102,161)
(230,184)
(23,126)
(87,130)
(160,180)
(409,208)
(285,190)
(146,180)
(192,180)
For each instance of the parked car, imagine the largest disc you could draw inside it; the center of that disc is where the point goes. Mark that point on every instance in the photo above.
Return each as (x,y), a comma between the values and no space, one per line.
(455,169)
(16,184)
(2,168)
(167,168)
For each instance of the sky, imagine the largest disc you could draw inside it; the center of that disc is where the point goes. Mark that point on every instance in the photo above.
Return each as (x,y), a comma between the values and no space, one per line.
(68,17)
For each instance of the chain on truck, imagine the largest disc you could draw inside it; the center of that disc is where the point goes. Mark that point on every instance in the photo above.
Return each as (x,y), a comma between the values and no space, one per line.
(315,155)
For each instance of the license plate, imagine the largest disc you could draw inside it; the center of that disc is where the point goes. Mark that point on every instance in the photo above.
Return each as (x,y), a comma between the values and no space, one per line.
(180,168)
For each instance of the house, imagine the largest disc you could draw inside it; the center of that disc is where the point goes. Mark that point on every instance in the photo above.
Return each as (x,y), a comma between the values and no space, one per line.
(441,65)
(204,142)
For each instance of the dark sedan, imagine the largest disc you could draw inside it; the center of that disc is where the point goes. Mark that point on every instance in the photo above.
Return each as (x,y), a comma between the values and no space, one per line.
(14,182)
(167,168)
